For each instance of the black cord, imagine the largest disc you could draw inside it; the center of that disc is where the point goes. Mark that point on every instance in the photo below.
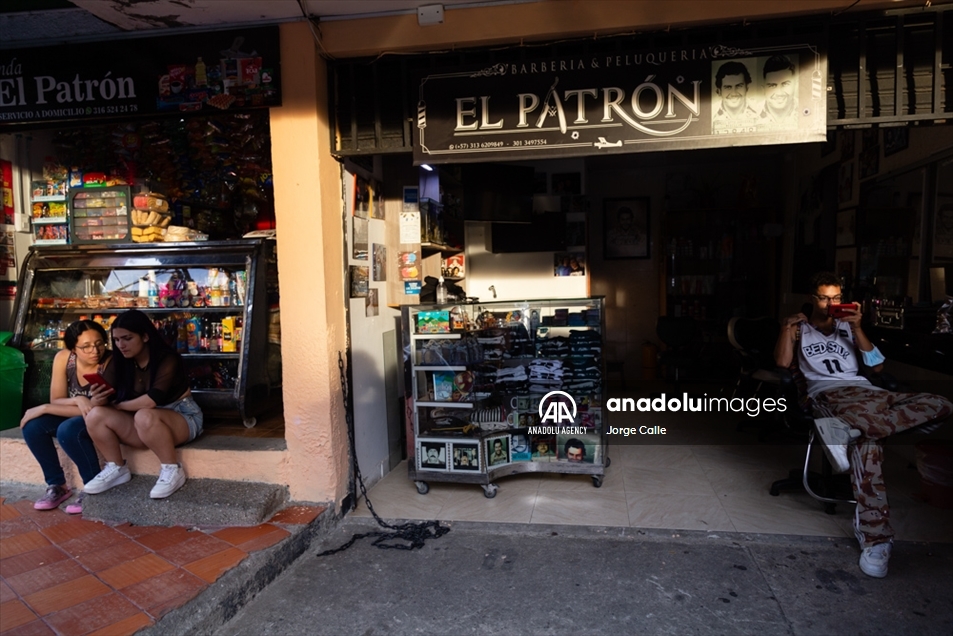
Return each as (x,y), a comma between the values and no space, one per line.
(414,533)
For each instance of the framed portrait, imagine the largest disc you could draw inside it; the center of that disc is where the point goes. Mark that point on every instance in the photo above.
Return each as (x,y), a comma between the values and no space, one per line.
(520,450)
(581,449)
(497,451)
(543,448)
(896,138)
(358,281)
(569,264)
(465,456)
(379,265)
(846,227)
(432,455)
(359,248)
(371,303)
(626,227)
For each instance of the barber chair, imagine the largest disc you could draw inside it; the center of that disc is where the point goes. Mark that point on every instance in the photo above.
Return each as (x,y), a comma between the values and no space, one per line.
(754,340)
(679,335)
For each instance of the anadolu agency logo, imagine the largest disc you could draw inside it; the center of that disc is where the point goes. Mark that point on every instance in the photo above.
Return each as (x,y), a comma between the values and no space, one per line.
(557,415)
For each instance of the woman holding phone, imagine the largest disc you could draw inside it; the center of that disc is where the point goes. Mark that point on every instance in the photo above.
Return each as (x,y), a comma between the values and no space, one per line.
(72,397)
(153,409)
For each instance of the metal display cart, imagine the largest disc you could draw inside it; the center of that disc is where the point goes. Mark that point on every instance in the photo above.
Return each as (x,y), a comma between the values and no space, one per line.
(216,302)
(504,387)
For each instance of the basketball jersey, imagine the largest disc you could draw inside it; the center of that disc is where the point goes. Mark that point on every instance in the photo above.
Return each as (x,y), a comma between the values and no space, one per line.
(829,362)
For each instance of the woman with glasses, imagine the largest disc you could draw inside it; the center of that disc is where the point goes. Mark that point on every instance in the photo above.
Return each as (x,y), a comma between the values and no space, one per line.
(154,407)
(71,399)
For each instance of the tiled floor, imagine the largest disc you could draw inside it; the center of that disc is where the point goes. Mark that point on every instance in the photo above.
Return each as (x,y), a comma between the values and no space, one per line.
(708,477)
(60,574)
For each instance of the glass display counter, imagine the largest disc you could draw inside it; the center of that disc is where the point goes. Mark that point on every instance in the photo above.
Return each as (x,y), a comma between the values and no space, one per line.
(214,302)
(501,388)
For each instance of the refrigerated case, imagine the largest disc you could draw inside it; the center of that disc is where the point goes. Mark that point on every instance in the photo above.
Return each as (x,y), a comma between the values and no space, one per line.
(215,302)
(501,388)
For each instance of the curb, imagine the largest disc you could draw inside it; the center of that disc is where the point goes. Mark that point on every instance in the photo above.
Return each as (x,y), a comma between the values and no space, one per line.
(222,600)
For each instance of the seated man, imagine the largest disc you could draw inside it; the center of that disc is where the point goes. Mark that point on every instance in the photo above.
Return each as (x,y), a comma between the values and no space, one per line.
(829,353)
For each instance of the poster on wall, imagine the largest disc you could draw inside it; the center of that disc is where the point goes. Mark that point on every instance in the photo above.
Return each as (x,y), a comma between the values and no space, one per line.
(626,227)
(695,96)
(208,72)
(359,251)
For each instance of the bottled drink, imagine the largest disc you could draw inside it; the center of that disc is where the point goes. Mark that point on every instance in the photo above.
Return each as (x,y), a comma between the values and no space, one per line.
(201,76)
(153,290)
(441,292)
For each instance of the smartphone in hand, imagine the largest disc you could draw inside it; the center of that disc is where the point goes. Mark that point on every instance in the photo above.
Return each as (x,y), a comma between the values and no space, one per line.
(841,311)
(95,378)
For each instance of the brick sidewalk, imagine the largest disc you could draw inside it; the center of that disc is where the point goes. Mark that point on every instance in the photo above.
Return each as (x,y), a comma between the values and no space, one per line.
(60,574)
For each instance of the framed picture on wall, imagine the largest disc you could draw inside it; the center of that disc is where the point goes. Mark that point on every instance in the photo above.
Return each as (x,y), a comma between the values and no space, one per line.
(846,227)
(895,139)
(626,227)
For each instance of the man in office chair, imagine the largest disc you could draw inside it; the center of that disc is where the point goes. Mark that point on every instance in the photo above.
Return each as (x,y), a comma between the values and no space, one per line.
(829,353)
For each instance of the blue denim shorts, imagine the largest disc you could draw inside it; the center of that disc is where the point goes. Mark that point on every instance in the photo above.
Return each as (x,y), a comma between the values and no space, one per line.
(187,408)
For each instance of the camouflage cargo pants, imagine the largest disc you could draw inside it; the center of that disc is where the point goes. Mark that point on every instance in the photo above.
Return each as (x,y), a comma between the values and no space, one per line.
(877,414)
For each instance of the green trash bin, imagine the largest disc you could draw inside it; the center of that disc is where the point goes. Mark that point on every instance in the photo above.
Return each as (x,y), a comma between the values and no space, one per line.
(12,368)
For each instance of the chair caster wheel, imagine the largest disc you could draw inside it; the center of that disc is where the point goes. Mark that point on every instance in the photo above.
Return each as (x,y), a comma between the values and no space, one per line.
(422,487)
(489,491)
(596,481)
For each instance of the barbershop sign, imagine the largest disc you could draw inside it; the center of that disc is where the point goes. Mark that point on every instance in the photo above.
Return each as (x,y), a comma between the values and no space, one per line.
(211,72)
(637,101)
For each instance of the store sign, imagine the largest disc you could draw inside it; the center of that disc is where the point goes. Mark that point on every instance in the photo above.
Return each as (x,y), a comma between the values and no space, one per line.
(693,97)
(212,71)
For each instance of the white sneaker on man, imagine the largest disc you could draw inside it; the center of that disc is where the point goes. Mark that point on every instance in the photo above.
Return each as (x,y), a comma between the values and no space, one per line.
(873,560)
(171,478)
(835,435)
(111,475)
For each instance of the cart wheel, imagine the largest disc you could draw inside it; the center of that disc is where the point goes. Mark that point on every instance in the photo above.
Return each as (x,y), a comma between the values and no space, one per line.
(489,491)
(608,461)
(422,487)
(596,481)
(250,422)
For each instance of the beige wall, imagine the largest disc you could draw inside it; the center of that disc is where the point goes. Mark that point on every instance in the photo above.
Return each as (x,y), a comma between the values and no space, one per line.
(308,217)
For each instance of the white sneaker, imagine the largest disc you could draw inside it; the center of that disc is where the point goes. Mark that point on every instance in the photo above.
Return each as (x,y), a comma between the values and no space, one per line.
(171,478)
(873,560)
(835,435)
(111,475)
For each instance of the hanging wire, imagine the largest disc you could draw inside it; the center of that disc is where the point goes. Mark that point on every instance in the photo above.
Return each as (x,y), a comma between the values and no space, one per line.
(415,534)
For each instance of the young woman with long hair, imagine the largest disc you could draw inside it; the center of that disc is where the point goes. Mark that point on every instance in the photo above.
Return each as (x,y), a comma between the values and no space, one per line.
(71,400)
(153,406)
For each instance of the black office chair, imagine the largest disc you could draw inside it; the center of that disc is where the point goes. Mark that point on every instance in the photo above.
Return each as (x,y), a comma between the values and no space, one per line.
(679,335)
(754,340)
(826,487)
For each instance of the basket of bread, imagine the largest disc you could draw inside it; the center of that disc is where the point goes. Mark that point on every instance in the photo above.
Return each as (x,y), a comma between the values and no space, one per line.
(150,217)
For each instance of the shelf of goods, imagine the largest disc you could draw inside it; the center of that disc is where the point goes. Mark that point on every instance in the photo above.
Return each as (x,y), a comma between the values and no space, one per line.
(214,302)
(49,213)
(505,387)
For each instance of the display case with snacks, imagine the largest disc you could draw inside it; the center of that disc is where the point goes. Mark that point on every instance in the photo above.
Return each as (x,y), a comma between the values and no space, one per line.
(215,302)
(49,214)
(100,215)
(502,388)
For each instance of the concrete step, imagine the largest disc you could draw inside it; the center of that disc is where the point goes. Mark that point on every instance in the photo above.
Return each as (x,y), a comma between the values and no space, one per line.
(200,502)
